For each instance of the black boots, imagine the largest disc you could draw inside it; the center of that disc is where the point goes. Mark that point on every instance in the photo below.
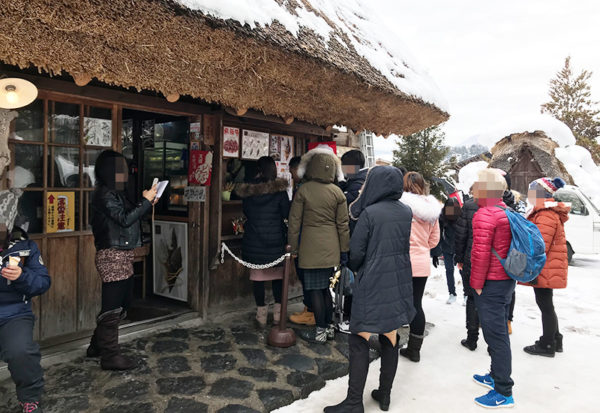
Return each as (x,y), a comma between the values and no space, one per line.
(558,344)
(413,349)
(93,351)
(107,340)
(541,348)
(470,344)
(389,364)
(359,367)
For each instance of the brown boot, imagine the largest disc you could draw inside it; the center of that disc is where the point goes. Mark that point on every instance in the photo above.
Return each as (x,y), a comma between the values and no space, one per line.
(306,318)
(107,336)
(509,327)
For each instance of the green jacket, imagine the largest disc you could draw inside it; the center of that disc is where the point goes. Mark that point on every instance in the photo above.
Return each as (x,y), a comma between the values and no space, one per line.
(319,212)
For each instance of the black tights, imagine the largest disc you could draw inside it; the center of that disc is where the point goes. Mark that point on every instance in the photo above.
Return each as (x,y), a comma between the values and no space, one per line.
(117,294)
(417,325)
(259,291)
(322,307)
(543,298)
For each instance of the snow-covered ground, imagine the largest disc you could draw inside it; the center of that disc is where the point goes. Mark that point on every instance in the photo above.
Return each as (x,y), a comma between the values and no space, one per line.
(442,382)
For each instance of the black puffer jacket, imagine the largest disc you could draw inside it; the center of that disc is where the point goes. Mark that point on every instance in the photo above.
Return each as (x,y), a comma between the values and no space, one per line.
(116,221)
(380,255)
(266,205)
(463,238)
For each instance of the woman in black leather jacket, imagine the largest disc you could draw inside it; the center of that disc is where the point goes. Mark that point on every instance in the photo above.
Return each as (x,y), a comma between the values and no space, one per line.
(116,224)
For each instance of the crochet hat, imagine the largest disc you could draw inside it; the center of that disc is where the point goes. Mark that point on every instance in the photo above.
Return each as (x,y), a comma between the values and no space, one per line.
(549,185)
(9,200)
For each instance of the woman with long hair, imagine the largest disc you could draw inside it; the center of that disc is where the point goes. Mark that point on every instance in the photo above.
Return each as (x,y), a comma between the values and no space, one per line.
(424,235)
(266,206)
(116,225)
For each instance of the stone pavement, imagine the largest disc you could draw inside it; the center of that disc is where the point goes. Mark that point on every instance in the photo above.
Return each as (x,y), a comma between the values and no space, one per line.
(225,367)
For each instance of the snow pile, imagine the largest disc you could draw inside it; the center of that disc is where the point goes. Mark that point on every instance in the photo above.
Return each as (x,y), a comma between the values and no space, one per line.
(586,174)
(468,175)
(355,18)
(552,127)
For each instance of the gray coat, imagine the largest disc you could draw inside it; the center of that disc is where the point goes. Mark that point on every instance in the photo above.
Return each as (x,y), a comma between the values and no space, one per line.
(380,255)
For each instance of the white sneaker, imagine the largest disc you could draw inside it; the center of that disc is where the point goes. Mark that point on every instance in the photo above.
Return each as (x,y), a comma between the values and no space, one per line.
(344,327)
(451,299)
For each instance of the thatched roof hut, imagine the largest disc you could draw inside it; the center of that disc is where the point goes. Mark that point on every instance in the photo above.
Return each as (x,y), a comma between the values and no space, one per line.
(319,64)
(528,156)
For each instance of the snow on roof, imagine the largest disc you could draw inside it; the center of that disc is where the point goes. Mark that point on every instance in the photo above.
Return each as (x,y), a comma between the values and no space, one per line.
(352,23)
(552,127)
(586,174)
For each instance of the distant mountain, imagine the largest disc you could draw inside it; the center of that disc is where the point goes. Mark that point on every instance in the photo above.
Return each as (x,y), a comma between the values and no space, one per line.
(460,153)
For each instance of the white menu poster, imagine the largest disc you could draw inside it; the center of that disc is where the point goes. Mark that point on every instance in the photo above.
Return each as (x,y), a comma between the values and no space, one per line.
(254,144)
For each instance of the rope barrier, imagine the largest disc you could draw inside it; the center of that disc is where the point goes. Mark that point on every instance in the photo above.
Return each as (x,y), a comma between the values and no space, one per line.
(225,248)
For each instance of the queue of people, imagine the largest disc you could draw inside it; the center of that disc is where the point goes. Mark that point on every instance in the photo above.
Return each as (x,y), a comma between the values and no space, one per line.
(381,223)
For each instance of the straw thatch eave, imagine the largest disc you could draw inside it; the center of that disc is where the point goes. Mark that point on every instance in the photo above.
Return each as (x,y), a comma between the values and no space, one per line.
(507,152)
(160,46)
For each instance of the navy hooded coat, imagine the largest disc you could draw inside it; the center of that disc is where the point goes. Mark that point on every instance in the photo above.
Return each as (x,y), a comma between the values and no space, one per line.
(380,255)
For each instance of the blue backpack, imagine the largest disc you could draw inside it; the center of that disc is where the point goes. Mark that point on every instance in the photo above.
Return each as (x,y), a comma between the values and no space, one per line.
(527,253)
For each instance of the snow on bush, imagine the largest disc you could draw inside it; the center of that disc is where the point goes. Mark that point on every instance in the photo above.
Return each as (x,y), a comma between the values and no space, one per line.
(468,175)
(356,19)
(586,174)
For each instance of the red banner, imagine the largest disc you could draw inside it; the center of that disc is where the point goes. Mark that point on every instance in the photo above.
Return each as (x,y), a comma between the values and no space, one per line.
(200,167)
(332,145)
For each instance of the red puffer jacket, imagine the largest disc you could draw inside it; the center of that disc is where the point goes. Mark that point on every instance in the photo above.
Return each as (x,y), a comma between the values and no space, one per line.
(490,229)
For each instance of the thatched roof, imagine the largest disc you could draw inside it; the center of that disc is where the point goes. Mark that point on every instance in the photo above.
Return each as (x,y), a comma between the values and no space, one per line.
(317,73)
(507,152)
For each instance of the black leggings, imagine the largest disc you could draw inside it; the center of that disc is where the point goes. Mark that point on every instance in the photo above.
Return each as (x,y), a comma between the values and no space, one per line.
(543,298)
(417,325)
(117,294)
(322,307)
(511,309)
(259,291)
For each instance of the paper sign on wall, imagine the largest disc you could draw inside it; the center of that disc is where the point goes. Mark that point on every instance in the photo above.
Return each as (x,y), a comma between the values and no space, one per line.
(194,193)
(60,212)
(231,142)
(255,144)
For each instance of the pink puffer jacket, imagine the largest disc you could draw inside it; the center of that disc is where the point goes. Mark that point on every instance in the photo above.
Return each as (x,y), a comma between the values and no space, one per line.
(424,231)
(490,229)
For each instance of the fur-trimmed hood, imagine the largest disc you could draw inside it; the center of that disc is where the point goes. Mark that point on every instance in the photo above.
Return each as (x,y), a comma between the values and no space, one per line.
(321,164)
(424,207)
(561,208)
(261,188)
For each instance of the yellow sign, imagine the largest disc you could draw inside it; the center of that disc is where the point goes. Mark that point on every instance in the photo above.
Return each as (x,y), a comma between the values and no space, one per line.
(60,212)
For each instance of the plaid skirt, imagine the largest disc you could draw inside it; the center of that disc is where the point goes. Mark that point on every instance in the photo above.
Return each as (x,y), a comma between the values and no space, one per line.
(317,278)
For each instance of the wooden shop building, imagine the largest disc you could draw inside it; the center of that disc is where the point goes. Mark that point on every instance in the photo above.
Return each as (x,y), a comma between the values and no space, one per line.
(168,86)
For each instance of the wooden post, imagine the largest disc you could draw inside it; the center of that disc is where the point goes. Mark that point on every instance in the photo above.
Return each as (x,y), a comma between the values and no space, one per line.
(280,336)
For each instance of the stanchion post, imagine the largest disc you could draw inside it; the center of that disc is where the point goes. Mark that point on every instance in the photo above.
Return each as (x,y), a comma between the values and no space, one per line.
(280,336)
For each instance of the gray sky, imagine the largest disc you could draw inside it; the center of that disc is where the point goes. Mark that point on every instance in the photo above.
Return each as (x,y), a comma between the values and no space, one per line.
(493,60)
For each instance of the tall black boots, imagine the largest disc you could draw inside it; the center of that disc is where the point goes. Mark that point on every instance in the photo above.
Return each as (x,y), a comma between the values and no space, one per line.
(359,367)
(472,325)
(413,349)
(106,342)
(389,364)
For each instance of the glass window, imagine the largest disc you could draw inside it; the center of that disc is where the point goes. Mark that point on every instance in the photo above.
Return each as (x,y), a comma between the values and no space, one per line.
(127,137)
(65,162)
(97,126)
(577,205)
(89,162)
(29,125)
(63,123)
(28,171)
(30,215)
